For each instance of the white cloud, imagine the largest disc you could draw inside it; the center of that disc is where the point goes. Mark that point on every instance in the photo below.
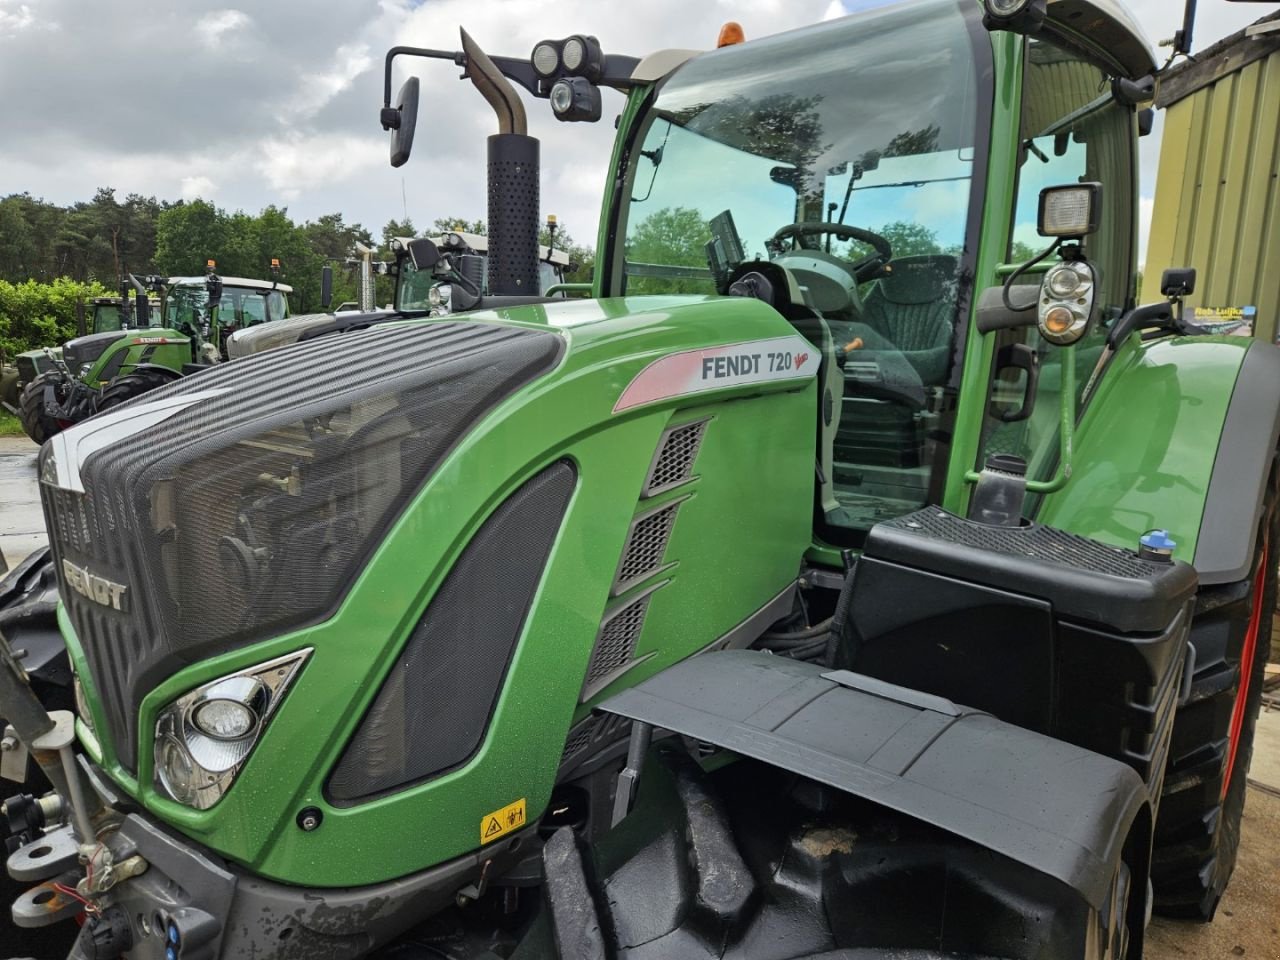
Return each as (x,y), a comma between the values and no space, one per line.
(295,165)
(196,187)
(317,88)
(297,122)
(15,19)
(211,28)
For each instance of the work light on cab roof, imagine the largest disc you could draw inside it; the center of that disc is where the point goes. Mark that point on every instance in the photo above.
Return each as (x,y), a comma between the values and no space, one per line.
(1018,16)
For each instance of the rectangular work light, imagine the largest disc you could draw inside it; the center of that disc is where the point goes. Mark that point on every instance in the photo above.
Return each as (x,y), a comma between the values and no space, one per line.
(1070,211)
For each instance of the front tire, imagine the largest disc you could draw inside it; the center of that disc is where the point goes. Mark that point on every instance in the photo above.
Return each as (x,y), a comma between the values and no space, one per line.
(38,424)
(131,385)
(1197,835)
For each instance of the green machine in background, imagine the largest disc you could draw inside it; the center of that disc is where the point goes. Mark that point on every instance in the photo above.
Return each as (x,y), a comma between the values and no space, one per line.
(838,580)
(109,366)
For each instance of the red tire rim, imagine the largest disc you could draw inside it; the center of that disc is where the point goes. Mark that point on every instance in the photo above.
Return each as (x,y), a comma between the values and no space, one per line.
(1247,656)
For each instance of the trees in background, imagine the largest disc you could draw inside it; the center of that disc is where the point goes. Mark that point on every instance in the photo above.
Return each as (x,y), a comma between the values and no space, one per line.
(52,256)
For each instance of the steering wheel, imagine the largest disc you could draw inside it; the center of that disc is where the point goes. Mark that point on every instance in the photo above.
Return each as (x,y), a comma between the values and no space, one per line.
(863,269)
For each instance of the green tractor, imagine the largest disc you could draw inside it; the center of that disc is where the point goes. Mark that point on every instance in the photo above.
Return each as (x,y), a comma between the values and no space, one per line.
(98,315)
(453,276)
(814,589)
(136,351)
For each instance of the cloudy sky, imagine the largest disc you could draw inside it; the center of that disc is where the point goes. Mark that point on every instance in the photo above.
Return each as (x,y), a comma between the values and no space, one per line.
(246,103)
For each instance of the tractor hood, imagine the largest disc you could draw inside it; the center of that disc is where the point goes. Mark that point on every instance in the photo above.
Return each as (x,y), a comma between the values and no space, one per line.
(84,350)
(266,504)
(330,458)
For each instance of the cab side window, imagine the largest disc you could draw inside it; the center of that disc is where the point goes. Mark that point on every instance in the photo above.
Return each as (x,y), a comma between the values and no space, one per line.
(1072,131)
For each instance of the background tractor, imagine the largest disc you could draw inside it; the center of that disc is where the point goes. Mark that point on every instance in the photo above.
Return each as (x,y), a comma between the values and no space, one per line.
(793,596)
(139,350)
(99,315)
(426,272)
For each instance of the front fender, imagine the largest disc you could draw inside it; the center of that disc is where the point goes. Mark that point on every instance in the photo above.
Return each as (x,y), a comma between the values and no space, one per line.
(1181,435)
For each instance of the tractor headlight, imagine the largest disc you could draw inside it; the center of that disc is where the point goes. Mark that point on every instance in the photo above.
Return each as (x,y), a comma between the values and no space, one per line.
(1018,16)
(1066,302)
(439,297)
(573,54)
(575,99)
(203,738)
(545,59)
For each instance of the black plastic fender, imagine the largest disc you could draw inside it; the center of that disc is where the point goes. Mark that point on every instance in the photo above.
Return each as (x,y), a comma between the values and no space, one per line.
(1237,486)
(1054,807)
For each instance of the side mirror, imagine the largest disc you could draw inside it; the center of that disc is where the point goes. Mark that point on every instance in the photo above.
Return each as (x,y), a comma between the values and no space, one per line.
(402,120)
(1178,282)
(80,324)
(326,287)
(423,253)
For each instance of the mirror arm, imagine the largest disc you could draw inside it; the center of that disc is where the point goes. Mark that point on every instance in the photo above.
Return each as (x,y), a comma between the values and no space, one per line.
(456,56)
(1066,430)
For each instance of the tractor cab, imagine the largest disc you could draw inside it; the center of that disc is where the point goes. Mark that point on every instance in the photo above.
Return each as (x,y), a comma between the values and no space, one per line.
(864,216)
(419,290)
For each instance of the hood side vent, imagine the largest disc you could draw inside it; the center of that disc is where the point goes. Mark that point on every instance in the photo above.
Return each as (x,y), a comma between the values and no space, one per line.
(673,463)
(646,547)
(616,644)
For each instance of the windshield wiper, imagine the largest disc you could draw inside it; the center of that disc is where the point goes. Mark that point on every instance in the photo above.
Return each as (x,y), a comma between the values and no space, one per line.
(655,157)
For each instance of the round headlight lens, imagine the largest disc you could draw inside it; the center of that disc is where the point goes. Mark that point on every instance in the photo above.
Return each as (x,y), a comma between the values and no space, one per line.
(177,772)
(1063,282)
(1005,8)
(438,296)
(545,59)
(561,97)
(224,719)
(573,54)
(1058,321)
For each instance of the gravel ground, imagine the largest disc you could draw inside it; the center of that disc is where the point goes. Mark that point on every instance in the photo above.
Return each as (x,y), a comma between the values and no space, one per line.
(21,522)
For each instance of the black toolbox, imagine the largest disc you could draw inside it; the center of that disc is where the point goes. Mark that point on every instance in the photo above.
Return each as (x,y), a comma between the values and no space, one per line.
(1042,628)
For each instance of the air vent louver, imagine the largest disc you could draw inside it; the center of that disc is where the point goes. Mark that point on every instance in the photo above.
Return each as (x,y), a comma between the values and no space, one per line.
(646,546)
(673,463)
(615,645)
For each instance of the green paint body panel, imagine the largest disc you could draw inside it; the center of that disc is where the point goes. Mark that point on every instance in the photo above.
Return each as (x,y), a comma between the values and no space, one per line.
(162,346)
(743,530)
(738,543)
(1146,445)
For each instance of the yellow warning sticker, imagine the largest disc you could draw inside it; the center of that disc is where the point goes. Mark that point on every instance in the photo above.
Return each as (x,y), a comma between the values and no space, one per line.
(501,822)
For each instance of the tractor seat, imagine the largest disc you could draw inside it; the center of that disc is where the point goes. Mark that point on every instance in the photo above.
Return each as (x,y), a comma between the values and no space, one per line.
(914,308)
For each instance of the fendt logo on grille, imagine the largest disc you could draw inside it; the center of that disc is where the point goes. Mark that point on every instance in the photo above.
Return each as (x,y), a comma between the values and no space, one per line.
(93,587)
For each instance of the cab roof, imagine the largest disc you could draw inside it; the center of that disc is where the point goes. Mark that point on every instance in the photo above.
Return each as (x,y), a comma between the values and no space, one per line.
(479,243)
(231,282)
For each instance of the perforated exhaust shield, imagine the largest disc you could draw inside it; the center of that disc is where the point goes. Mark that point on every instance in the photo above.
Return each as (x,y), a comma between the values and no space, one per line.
(248,513)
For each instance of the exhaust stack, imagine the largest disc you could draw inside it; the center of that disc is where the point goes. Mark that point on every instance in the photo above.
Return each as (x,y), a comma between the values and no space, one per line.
(513,181)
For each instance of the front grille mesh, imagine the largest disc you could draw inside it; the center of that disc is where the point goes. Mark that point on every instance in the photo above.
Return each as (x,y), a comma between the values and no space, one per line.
(677,451)
(249,512)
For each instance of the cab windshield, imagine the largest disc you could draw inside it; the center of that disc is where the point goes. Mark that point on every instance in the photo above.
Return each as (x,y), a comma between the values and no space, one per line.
(845,152)
(187,307)
(106,317)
